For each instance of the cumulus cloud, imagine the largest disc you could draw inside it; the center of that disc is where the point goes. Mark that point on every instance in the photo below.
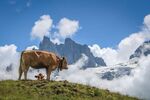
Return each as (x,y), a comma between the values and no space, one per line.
(125,48)
(140,86)
(147,21)
(108,54)
(9,58)
(42,27)
(128,45)
(67,27)
(56,41)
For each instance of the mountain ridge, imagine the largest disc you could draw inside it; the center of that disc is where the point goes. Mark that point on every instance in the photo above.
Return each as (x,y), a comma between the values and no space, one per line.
(142,50)
(72,51)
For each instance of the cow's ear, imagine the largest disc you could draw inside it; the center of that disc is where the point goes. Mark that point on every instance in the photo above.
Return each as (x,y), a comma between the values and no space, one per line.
(63,58)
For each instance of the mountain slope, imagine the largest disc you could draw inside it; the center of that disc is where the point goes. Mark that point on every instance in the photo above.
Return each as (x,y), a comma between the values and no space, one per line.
(72,51)
(144,49)
(115,71)
(62,90)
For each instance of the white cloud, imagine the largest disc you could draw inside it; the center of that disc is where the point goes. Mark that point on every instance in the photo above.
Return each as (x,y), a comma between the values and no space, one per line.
(140,86)
(42,27)
(67,27)
(9,57)
(128,45)
(32,47)
(108,54)
(56,41)
(147,21)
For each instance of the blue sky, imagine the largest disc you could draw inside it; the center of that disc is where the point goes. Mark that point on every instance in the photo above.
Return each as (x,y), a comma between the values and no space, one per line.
(104,22)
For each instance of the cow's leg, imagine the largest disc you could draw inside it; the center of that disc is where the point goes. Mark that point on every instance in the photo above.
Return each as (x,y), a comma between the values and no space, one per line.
(20,72)
(25,73)
(48,71)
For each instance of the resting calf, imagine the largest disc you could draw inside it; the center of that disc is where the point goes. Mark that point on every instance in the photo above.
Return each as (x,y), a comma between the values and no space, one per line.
(39,77)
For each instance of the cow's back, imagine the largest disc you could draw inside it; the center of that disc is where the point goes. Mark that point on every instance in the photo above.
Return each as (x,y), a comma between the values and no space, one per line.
(39,59)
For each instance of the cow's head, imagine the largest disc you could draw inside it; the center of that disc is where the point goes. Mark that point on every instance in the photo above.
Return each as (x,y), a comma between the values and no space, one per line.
(63,63)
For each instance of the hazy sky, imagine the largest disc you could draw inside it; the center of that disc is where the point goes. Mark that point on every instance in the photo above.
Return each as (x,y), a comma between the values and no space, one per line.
(104,22)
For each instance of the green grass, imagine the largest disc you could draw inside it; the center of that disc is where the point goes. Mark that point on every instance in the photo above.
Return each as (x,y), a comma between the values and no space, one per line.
(53,90)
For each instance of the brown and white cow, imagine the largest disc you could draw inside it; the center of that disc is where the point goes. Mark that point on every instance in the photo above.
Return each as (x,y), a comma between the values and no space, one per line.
(40,59)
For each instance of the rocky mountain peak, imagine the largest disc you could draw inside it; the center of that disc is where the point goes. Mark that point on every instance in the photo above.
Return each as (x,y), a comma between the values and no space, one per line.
(69,40)
(46,39)
(142,50)
(72,51)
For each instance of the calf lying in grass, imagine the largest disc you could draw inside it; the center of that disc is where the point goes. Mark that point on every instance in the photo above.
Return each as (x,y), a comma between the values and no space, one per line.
(40,77)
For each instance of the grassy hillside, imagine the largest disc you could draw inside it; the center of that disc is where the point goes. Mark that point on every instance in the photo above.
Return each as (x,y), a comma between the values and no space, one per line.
(62,90)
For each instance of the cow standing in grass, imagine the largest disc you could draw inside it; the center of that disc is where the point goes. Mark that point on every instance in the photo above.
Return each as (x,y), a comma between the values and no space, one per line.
(40,59)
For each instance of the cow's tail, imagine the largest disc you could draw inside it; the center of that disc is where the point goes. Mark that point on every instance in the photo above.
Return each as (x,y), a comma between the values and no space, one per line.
(20,66)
